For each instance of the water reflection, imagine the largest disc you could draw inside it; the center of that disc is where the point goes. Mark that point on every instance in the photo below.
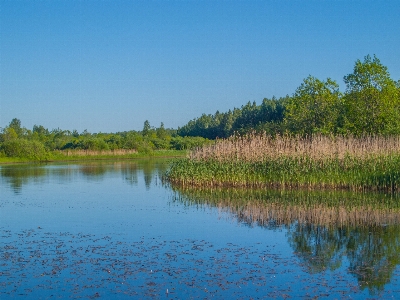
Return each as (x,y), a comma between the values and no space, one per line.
(327,230)
(93,171)
(372,252)
(269,208)
(354,233)
(16,176)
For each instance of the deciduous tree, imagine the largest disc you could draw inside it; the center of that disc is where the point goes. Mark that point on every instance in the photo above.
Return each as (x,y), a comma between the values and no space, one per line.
(371,100)
(314,107)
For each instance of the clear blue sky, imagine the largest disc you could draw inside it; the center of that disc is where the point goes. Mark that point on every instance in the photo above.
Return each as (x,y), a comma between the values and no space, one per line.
(110,65)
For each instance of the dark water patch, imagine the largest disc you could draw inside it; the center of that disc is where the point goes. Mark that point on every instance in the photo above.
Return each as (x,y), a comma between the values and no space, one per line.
(39,264)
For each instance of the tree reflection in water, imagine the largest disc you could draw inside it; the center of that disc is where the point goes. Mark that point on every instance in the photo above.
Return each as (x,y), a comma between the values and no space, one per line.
(19,175)
(323,228)
(373,252)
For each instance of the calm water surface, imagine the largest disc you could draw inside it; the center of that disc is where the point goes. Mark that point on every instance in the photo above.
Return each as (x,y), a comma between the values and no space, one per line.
(114,230)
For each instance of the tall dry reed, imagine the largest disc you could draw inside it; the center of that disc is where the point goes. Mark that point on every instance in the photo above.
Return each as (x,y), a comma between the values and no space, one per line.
(315,162)
(260,147)
(116,152)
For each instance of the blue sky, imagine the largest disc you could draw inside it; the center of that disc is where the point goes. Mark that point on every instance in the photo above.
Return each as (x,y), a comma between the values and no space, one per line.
(107,66)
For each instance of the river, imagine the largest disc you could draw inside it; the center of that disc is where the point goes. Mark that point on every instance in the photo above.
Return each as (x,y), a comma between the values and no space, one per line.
(116,230)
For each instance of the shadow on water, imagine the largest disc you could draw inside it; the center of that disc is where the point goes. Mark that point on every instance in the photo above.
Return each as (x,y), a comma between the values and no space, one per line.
(325,229)
(16,176)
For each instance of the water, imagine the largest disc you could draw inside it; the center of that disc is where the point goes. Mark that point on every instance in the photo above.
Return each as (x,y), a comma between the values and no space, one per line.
(115,230)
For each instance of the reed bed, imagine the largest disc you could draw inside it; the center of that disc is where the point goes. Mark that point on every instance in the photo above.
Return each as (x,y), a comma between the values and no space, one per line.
(276,208)
(261,147)
(316,162)
(116,152)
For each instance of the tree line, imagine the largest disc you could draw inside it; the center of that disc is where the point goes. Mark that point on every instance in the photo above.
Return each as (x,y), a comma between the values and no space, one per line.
(18,141)
(370,105)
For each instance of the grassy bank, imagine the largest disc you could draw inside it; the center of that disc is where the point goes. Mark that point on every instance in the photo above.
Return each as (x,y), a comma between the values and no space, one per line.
(87,155)
(369,163)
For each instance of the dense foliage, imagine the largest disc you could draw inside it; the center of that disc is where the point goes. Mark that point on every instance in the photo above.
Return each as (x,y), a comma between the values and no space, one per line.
(369,105)
(39,143)
(268,116)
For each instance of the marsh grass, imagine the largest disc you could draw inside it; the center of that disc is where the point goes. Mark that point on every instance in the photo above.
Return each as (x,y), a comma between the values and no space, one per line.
(317,162)
(83,155)
(117,152)
(268,208)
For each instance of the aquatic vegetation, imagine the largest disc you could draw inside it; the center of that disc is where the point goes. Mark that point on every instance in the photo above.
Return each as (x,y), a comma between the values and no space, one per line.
(322,162)
(39,264)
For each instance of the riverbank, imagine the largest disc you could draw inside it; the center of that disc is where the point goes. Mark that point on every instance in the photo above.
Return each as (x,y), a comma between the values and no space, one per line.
(368,163)
(81,155)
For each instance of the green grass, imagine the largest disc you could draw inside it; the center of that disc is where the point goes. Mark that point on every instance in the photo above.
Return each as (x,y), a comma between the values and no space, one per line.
(10,160)
(60,156)
(351,173)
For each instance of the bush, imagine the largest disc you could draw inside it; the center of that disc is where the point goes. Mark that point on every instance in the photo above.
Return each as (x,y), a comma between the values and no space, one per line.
(25,149)
(160,143)
(95,144)
(187,143)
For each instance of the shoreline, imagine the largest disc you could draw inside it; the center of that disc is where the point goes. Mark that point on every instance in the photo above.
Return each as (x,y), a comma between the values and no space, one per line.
(82,158)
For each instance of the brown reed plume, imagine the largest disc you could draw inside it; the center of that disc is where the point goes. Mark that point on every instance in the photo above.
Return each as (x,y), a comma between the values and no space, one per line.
(260,147)
(115,152)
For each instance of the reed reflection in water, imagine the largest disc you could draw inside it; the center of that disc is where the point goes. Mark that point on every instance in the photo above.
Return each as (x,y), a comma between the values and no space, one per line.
(327,230)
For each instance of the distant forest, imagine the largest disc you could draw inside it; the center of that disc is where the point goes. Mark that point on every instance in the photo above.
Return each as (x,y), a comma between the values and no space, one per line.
(370,105)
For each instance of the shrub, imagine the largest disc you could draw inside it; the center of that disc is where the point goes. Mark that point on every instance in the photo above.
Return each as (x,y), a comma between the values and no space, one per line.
(25,149)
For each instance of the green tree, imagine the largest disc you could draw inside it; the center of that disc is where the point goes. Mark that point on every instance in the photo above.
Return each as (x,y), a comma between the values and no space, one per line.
(372,102)
(146,128)
(8,134)
(248,118)
(161,132)
(40,133)
(40,130)
(16,125)
(314,107)
(227,124)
